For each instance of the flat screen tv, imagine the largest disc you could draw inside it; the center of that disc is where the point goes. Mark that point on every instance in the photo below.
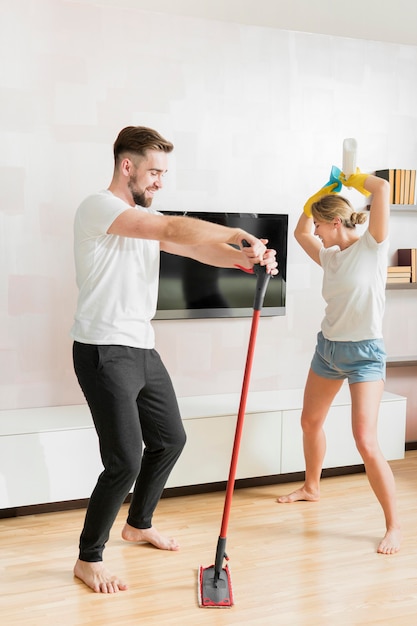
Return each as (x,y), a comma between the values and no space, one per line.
(189,289)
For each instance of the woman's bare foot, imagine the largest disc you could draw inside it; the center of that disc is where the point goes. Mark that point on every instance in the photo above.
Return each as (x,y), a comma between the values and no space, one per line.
(149,535)
(299,494)
(390,544)
(95,576)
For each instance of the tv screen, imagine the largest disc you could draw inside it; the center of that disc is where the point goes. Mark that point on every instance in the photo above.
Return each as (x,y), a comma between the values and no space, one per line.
(189,289)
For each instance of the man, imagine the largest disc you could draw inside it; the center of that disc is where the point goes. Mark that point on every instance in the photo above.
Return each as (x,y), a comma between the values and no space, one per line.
(118,238)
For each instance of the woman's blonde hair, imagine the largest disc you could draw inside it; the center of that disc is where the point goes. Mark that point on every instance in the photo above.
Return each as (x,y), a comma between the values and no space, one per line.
(331,206)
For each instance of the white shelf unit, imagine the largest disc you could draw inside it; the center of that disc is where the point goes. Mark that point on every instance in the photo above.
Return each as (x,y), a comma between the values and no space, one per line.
(50,455)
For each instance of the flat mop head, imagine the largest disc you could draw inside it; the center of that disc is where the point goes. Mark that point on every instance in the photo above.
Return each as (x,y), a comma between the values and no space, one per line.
(214,592)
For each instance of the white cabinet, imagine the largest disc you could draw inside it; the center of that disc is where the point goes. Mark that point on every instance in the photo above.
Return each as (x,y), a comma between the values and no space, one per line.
(272,437)
(51,454)
(207,455)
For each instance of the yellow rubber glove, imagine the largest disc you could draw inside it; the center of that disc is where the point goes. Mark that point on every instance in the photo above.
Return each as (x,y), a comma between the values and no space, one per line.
(324,191)
(356,181)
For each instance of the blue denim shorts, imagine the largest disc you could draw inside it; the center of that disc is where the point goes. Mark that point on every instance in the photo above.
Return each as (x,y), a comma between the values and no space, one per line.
(358,361)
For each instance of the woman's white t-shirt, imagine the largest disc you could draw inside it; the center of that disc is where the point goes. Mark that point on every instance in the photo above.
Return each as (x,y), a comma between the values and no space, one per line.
(117,277)
(354,289)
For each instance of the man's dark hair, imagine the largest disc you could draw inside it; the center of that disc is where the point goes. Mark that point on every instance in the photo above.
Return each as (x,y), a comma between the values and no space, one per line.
(137,140)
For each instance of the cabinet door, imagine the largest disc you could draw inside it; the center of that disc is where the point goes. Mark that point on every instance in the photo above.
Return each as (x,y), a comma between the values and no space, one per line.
(208,452)
(48,467)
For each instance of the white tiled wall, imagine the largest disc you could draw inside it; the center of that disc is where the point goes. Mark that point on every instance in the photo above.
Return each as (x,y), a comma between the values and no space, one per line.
(257,116)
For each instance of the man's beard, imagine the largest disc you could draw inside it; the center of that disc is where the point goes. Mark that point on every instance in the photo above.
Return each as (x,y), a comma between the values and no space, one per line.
(141,199)
(138,197)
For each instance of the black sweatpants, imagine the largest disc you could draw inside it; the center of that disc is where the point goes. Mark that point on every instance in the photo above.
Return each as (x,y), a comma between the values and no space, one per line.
(131,399)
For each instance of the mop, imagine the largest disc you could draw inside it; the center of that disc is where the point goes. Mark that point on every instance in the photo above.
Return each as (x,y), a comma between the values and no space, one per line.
(214,582)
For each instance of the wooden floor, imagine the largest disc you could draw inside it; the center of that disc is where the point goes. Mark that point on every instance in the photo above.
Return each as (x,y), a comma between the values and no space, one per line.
(302,564)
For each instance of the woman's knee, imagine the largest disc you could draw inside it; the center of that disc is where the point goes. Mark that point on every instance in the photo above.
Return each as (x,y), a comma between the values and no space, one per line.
(311,425)
(366,444)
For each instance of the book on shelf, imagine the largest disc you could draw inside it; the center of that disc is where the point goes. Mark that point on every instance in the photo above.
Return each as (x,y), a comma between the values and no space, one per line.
(400,275)
(407,174)
(402,184)
(399,269)
(402,190)
(398,197)
(412,186)
(408,257)
(398,279)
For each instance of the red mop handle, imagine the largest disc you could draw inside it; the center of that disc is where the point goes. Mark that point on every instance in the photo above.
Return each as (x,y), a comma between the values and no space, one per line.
(262,280)
(239,425)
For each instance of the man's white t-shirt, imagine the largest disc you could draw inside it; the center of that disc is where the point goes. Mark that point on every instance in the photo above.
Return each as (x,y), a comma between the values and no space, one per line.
(117,277)
(354,289)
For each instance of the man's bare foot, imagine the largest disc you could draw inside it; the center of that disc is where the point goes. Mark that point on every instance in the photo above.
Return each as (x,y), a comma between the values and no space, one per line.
(390,544)
(95,576)
(299,494)
(149,535)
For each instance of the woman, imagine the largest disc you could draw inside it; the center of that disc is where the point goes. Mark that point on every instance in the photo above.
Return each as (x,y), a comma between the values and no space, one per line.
(350,343)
